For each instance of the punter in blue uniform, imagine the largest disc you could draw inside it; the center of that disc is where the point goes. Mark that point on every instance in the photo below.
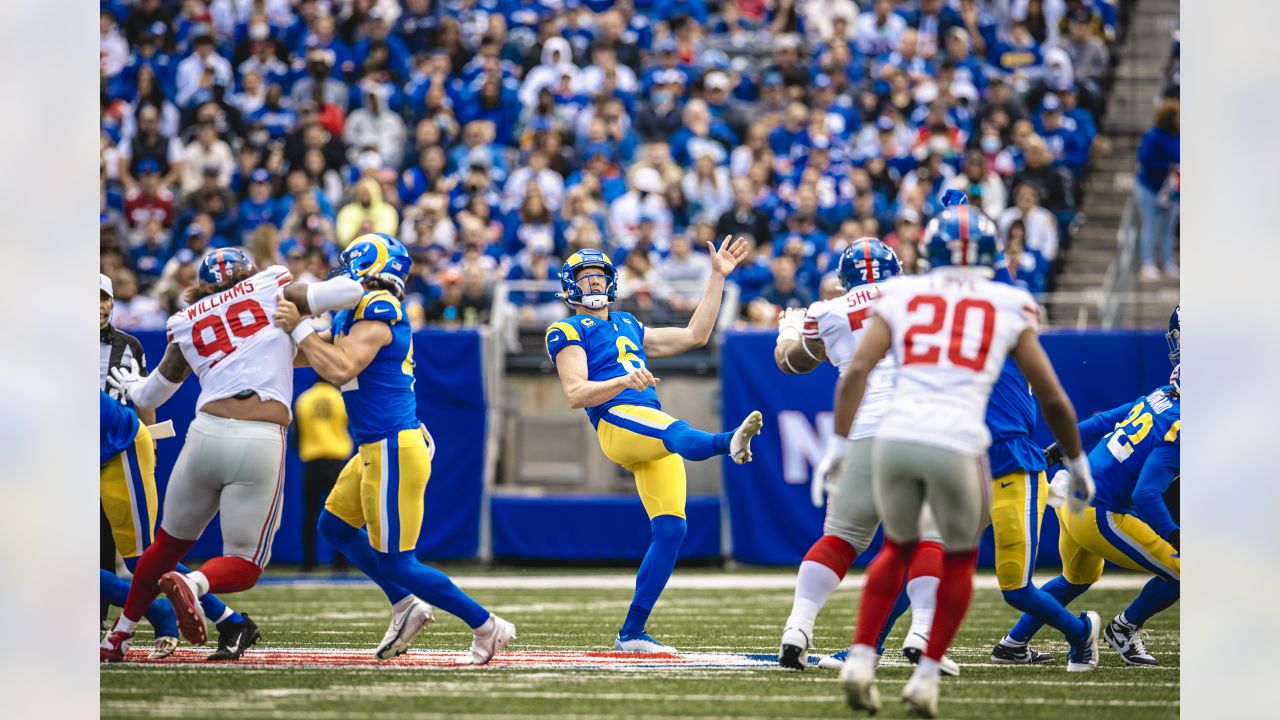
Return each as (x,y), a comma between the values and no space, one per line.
(1135,459)
(601,356)
(369,355)
(127,488)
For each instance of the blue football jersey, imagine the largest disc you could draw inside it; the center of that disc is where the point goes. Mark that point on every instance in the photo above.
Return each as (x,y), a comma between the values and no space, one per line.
(1011,419)
(614,347)
(380,400)
(1143,448)
(117,424)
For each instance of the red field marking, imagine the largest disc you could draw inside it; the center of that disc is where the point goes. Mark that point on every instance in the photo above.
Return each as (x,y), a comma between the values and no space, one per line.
(559,659)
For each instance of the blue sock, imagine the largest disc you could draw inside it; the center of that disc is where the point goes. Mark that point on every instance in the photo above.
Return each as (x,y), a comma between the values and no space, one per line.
(1158,594)
(354,543)
(899,608)
(655,570)
(1059,589)
(212,606)
(114,590)
(1044,607)
(691,443)
(431,585)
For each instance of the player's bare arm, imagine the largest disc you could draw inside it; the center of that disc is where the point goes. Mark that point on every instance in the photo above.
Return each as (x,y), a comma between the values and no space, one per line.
(337,362)
(665,342)
(150,392)
(571,364)
(795,354)
(853,384)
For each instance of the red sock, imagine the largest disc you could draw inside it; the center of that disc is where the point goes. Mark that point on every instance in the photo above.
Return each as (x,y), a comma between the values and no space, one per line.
(954,592)
(228,574)
(885,577)
(927,562)
(833,553)
(163,555)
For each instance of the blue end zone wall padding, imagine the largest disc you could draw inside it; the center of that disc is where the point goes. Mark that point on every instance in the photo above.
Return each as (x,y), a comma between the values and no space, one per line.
(451,401)
(593,527)
(771,519)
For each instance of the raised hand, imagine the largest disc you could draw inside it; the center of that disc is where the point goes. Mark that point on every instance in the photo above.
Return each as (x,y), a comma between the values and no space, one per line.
(724,260)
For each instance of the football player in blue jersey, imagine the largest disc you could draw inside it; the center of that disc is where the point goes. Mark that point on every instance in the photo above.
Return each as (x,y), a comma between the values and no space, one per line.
(601,356)
(1135,460)
(368,353)
(127,486)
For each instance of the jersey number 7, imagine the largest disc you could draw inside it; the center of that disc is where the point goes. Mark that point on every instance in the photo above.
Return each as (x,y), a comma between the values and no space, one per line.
(916,352)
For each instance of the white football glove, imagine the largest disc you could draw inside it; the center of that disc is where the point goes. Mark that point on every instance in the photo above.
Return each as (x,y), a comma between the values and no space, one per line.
(1058,489)
(791,324)
(827,470)
(1080,484)
(431,442)
(125,377)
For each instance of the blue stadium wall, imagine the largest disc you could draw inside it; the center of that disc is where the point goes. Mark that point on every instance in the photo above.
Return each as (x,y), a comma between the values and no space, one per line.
(771,520)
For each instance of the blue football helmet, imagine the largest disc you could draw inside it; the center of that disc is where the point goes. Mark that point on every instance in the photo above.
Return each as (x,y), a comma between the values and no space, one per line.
(961,236)
(867,260)
(376,256)
(952,197)
(573,292)
(1174,336)
(222,264)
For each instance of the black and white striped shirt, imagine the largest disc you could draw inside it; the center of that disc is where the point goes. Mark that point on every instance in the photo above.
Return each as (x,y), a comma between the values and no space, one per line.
(115,348)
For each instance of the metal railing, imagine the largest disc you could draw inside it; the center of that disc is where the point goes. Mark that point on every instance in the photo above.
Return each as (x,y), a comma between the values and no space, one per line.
(1117,286)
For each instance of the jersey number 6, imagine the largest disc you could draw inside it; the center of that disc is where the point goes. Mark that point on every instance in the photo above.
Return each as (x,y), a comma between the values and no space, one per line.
(627,355)
(236,322)
(938,310)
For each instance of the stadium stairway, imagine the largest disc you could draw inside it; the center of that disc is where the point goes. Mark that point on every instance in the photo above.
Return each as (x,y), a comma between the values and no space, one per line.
(1094,245)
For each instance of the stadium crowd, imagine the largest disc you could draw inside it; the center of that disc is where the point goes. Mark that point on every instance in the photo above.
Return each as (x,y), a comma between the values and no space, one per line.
(496,137)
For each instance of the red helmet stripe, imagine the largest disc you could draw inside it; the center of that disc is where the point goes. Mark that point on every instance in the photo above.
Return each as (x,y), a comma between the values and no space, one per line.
(222,266)
(866,256)
(962,212)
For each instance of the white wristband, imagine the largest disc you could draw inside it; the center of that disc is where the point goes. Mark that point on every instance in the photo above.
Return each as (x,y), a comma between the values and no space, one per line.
(301,332)
(788,333)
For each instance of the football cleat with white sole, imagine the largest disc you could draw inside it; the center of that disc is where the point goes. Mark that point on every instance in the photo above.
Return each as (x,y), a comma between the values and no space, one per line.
(641,642)
(115,645)
(794,652)
(1008,653)
(1084,657)
(920,694)
(858,678)
(489,640)
(234,639)
(835,660)
(740,443)
(1127,640)
(186,605)
(163,648)
(409,617)
(913,648)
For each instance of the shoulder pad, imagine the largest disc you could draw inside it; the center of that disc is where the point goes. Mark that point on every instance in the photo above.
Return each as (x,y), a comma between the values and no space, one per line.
(379,305)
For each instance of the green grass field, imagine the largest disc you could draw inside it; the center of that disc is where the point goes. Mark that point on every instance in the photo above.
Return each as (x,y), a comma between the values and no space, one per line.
(581,612)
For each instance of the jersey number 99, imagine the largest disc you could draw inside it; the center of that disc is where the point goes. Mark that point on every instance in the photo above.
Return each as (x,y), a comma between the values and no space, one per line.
(210,335)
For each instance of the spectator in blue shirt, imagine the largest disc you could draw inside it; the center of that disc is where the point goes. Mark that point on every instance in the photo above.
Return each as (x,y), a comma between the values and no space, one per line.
(259,207)
(1156,189)
(1070,144)
(274,115)
(418,23)
(664,10)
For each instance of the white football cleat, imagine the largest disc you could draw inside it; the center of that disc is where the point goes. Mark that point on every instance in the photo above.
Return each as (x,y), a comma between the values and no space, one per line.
(409,617)
(489,640)
(164,647)
(794,651)
(1084,657)
(641,643)
(913,648)
(858,678)
(740,443)
(920,695)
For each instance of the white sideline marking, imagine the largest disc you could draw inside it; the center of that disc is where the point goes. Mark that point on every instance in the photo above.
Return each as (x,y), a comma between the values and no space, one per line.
(733,581)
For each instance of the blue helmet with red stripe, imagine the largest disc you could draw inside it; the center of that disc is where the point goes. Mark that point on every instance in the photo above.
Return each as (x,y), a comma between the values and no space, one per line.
(223,264)
(867,260)
(961,236)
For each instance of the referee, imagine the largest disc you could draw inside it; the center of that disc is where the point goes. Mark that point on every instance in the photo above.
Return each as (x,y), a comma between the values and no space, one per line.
(115,348)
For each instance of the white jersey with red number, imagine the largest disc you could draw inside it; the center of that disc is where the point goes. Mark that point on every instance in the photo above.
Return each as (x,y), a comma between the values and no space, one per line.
(840,324)
(232,344)
(952,330)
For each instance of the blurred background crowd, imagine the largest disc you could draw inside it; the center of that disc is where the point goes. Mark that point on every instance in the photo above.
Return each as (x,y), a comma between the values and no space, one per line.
(495,137)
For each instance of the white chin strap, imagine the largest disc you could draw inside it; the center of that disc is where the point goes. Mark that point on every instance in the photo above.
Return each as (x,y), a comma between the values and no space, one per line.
(594,301)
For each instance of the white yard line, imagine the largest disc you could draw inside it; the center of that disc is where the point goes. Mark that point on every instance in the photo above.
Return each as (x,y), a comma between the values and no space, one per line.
(727,581)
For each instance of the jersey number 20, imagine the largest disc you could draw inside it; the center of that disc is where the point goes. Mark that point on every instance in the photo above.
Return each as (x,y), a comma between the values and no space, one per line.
(244,318)
(930,354)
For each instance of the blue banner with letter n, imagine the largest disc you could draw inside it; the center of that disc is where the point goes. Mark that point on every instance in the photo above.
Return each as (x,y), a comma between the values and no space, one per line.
(771,518)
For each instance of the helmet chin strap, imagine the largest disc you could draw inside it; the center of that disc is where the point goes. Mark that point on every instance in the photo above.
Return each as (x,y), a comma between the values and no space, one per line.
(594,301)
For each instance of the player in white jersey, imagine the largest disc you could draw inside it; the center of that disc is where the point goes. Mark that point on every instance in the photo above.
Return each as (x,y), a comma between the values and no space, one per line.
(233,458)
(831,330)
(950,332)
